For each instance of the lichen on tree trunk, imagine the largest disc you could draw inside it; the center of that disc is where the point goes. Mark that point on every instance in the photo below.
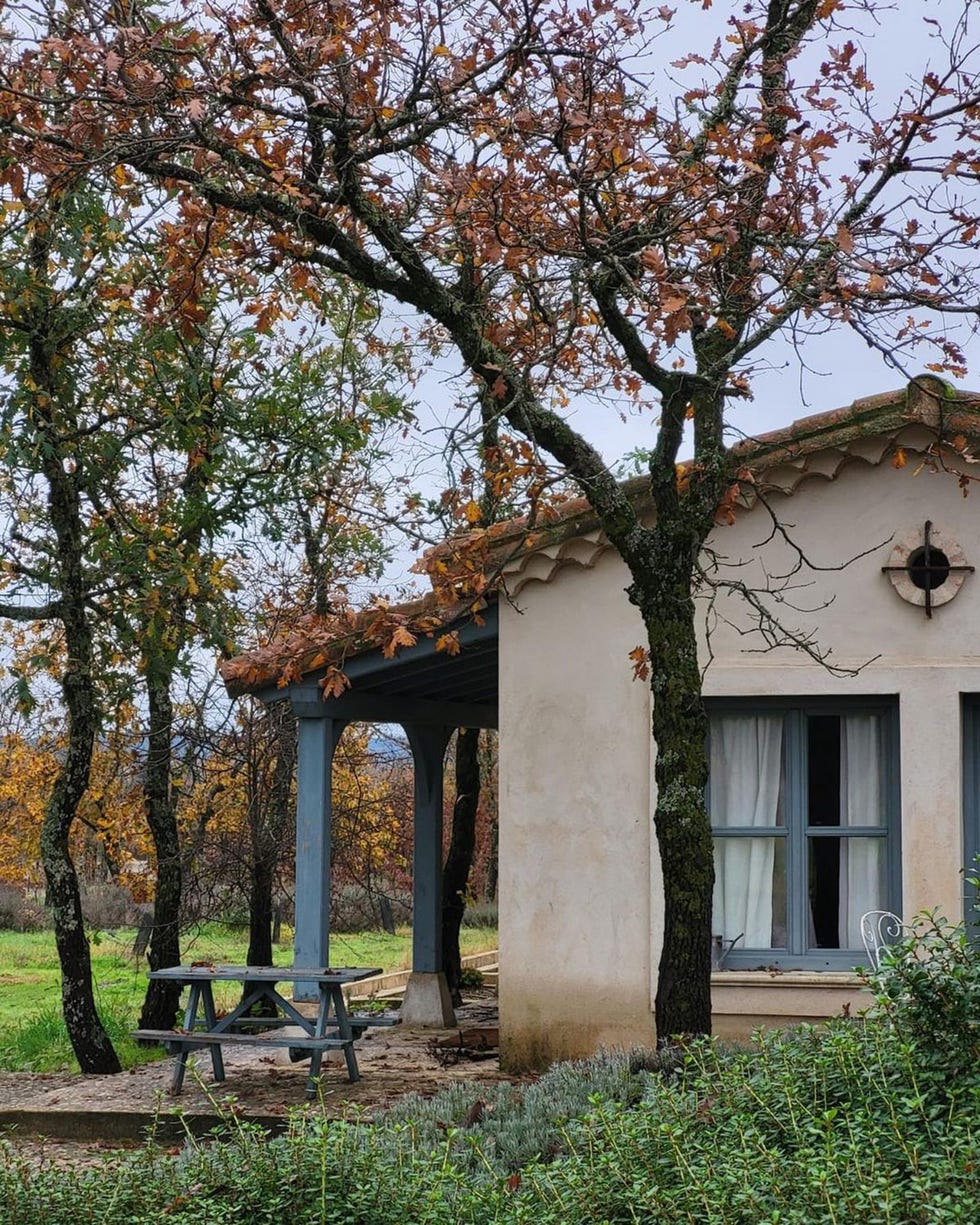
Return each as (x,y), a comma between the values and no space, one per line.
(683,830)
(89,1040)
(664,564)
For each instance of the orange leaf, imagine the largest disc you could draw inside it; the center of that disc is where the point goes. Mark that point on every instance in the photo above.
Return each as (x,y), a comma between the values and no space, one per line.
(899,459)
(402,637)
(334,683)
(641,663)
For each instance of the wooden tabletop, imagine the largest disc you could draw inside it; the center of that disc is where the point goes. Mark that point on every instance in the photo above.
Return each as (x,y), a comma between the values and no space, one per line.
(265,974)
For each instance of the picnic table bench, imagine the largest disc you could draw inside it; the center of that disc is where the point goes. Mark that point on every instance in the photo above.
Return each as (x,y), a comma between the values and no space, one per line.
(332,1029)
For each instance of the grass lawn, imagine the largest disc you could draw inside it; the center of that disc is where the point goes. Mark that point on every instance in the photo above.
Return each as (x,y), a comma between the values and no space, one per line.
(32,1035)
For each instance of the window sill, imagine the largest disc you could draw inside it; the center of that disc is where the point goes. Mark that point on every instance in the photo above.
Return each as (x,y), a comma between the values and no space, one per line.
(831,979)
(742,1000)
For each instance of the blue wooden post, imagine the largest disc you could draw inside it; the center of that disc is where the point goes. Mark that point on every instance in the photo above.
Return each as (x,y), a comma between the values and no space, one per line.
(427,997)
(318,739)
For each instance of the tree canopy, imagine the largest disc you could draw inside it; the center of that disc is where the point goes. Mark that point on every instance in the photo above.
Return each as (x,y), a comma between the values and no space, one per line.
(569,213)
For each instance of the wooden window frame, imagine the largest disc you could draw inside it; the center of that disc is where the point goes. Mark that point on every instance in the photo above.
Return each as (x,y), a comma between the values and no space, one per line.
(798,955)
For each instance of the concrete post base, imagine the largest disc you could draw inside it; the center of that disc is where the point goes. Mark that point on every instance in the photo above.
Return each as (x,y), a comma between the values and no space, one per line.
(427,1002)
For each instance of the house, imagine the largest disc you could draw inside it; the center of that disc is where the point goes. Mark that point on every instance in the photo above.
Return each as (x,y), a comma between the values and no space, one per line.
(845,732)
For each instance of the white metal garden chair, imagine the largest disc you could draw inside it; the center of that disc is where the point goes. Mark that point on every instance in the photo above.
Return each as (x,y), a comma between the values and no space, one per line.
(879,930)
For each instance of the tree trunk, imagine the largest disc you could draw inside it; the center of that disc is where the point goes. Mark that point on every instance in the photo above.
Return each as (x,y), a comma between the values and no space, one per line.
(162,1000)
(271,813)
(260,912)
(680,729)
(493,867)
(683,828)
(456,873)
(89,1040)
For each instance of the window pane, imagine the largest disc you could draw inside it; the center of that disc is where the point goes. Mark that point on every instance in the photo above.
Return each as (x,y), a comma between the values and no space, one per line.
(747,771)
(846,877)
(844,756)
(862,793)
(823,773)
(750,892)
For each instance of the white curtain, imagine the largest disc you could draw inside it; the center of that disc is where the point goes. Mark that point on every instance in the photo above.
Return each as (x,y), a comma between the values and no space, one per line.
(746,766)
(861,859)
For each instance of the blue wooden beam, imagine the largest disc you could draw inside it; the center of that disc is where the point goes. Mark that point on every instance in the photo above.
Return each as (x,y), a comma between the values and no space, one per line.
(428,743)
(318,739)
(309,703)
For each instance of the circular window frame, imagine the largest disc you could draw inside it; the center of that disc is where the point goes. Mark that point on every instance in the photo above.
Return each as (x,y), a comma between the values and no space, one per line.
(901,580)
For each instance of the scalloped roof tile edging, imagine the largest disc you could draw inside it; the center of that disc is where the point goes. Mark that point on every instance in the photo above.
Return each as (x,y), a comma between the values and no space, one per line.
(926,412)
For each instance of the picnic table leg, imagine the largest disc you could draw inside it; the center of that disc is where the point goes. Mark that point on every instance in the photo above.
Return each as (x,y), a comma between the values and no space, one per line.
(211,1020)
(190,1017)
(344,1027)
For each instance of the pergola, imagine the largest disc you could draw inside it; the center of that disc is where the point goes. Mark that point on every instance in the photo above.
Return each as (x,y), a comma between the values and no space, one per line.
(429,693)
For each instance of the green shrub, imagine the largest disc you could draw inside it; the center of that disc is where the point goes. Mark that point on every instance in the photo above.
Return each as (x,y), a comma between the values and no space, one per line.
(873,1120)
(812,1126)
(928,989)
(495,1129)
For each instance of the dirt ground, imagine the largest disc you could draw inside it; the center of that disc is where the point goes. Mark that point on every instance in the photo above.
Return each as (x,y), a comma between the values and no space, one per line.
(392,1062)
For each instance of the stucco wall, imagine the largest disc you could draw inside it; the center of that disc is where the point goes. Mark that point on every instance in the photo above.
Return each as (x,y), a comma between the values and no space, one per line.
(575,749)
(891,644)
(580,894)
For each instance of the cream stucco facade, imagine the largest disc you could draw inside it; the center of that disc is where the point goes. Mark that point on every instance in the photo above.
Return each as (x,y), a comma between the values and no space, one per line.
(580,905)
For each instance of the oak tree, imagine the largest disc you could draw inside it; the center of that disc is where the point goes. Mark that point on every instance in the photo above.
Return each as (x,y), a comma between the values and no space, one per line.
(572,216)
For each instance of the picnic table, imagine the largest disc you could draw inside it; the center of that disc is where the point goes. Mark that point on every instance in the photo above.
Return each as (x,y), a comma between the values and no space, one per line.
(203,1027)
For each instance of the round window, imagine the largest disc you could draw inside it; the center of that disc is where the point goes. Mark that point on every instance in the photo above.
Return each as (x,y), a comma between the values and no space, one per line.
(928,570)
(927,567)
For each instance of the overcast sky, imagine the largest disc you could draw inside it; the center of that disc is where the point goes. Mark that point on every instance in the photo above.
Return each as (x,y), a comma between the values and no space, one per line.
(831,370)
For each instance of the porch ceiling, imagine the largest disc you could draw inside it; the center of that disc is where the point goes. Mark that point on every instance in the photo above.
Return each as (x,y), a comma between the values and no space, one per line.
(418,684)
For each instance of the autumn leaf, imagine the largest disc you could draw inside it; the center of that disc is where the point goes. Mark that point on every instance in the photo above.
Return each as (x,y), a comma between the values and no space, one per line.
(725,511)
(641,663)
(334,683)
(899,459)
(401,637)
(448,643)
(673,300)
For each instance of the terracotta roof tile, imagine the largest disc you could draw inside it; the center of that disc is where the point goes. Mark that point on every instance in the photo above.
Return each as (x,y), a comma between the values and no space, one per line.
(784,454)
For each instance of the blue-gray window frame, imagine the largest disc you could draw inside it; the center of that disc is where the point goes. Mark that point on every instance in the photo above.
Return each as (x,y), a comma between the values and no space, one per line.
(799,956)
(970,721)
